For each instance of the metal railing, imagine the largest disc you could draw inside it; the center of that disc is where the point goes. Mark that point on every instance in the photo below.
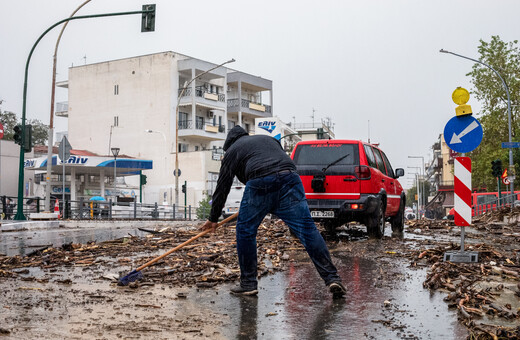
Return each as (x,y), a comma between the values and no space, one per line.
(245,103)
(505,201)
(200,91)
(106,210)
(188,124)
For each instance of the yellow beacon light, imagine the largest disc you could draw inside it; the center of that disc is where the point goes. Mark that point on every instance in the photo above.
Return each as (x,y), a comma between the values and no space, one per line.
(460,97)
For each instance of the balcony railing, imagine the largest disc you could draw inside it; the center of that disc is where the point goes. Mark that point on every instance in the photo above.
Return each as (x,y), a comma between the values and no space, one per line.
(202,92)
(188,124)
(249,104)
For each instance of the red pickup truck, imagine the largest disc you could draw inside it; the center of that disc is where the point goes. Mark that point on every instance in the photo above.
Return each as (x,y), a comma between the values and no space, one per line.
(347,180)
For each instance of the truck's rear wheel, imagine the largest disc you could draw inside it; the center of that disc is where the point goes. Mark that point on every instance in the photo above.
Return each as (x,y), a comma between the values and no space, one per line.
(397,221)
(376,222)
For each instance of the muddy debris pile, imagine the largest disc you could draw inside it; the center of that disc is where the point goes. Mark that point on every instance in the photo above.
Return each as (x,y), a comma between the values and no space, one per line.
(486,294)
(205,262)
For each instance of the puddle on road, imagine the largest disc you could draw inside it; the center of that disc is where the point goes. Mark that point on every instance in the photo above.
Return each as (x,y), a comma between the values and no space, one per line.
(296,305)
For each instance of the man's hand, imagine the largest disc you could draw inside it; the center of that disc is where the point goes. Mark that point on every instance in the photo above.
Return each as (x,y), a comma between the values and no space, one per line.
(209,225)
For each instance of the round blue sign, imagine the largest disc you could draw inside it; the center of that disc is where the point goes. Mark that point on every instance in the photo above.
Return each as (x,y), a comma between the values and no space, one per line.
(463,134)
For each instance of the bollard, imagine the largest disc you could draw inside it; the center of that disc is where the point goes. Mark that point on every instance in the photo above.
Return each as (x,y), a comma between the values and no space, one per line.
(174,212)
(135,210)
(189,210)
(37,204)
(66,210)
(155,211)
(110,208)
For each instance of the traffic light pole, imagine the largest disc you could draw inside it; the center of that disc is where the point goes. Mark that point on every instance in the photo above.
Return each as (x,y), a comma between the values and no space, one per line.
(149,18)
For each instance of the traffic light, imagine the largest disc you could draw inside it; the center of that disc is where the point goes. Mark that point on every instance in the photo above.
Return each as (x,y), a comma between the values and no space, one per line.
(27,144)
(496,167)
(143,179)
(148,19)
(18,134)
(184,188)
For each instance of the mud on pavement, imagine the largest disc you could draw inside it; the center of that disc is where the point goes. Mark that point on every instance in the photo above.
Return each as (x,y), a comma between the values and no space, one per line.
(70,291)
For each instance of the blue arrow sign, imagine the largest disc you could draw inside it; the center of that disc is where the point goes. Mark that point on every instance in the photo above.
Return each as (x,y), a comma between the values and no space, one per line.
(506,145)
(463,134)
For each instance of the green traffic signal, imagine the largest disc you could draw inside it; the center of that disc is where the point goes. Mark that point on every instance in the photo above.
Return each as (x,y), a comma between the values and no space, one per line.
(27,145)
(18,134)
(148,19)
(496,168)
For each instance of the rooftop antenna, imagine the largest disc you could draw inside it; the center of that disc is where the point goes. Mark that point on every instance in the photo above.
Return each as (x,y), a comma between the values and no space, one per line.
(312,116)
(294,120)
(85,59)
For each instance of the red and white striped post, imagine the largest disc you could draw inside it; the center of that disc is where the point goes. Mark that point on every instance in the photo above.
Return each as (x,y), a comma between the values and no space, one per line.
(463,192)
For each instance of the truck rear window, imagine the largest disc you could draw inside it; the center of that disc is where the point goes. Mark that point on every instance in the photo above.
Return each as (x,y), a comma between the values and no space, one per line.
(325,154)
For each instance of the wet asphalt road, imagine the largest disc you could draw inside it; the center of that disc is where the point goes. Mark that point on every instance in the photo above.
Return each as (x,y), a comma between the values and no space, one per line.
(295,304)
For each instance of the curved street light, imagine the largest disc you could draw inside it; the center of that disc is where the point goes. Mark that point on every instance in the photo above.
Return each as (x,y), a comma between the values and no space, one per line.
(147,25)
(511,166)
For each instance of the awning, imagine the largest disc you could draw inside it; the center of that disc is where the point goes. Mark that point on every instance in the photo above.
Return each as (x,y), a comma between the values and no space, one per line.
(91,164)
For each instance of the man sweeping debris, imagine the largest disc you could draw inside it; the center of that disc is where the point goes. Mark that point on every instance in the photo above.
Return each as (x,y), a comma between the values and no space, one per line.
(272,186)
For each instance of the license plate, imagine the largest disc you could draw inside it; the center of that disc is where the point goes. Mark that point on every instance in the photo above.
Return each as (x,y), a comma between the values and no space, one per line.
(232,209)
(322,214)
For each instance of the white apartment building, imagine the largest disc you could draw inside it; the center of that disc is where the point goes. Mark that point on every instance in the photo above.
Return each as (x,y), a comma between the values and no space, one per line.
(131,104)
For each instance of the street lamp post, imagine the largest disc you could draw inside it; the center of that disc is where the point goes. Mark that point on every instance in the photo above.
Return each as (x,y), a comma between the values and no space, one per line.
(419,191)
(186,84)
(511,166)
(147,25)
(165,157)
(115,152)
(423,176)
(47,204)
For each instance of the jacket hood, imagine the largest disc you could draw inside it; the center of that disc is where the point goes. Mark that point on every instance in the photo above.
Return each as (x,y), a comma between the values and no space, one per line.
(233,135)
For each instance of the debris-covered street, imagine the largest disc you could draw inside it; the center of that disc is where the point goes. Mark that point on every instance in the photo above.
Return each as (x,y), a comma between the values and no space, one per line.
(398,287)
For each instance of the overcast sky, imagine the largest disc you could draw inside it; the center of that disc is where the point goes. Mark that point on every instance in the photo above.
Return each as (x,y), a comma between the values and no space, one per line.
(352,61)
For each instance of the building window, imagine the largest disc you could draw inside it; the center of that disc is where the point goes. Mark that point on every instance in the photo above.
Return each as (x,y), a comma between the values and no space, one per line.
(183,120)
(199,121)
(183,147)
(116,90)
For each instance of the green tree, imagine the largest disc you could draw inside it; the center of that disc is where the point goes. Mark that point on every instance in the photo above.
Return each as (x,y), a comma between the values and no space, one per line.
(9,121)
(490,92)
(204,208)
(410,194)
(39,130)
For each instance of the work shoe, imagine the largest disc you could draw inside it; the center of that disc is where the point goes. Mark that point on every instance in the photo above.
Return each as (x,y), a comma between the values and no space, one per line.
(337,290)
(239,290)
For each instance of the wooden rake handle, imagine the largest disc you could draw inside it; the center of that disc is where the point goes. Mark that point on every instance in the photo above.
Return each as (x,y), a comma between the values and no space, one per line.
(149,263)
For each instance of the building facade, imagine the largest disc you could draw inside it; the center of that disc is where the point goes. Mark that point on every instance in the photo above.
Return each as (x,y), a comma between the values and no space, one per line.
(132,104)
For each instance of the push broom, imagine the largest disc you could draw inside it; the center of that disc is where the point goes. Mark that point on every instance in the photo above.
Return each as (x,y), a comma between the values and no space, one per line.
(136,274)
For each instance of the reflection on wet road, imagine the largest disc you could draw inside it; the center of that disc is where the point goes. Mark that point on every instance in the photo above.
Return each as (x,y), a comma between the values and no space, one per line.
(296,305)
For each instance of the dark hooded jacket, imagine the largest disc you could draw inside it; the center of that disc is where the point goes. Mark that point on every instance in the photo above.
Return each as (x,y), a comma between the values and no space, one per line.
(247,157)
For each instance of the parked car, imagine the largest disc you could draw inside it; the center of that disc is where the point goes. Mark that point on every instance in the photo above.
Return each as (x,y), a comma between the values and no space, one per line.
(347,180)
(233,200)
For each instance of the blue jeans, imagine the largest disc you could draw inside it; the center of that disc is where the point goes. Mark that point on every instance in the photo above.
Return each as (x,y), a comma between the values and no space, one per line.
(282,195)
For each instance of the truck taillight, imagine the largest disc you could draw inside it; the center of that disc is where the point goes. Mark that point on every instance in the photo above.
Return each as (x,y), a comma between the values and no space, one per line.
(363,172)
